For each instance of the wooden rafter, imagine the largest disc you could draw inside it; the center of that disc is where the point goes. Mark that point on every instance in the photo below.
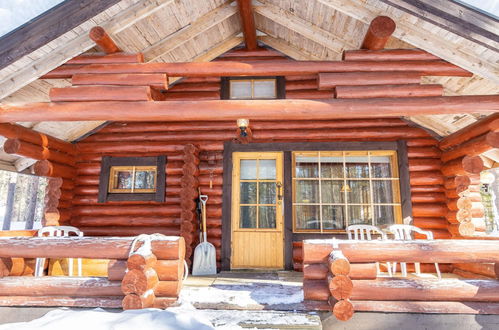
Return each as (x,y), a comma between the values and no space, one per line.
(247,23)
(419,35)
(189,32)
(78,45)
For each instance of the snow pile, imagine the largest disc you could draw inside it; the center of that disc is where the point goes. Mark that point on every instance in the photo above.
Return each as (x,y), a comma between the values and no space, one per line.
(179,318)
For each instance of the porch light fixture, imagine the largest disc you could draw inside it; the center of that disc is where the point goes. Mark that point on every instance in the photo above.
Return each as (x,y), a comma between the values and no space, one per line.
(243,125)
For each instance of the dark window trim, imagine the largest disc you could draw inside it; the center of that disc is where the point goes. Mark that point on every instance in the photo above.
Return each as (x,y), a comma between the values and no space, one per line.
(225,85)
(108,161)
(230,147)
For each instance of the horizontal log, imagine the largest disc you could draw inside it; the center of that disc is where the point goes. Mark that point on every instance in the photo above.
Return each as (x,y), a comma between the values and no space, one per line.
(359,133)
(430,223)
(139,147)
(13,131)
(17,233)
(139,282)
(125,221)
(429,210)
(234,109)
(189,96)
(426,178)
(463,166)
(128,231)
(156,80)
(59,286)
(426,289)
(38,152)
(101,58)
(428,198)
(315,271)
(101,93)
(103,40)
(420,152)
(430,142)
(166,248)
(168,288)
(474,147)
(135,301)
(270,68)
(340,286)
(479,268)
(301,84)
(427,189)
(388,90)
(258,52)
(167,270)
(164,302)
(331,80)
(61,301)
(315,290)
(422,164)
(309,94)
(114,210)
(162,136)
(429,251)
(433,307)
(379,31)
(480,127)
(51,169)
(195,87)
(388,55)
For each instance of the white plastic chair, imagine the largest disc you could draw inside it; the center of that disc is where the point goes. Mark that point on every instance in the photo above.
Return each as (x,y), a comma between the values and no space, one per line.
(58,231)
(363,233)
(404,233)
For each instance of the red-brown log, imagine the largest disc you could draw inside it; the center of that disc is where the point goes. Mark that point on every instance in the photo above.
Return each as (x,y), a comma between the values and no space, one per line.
(61,301)
(134,147)
(100,58)
(309,94)
(244,52)
(430,223)
(437,307)
(343,310)
(153,210)
(421,152)
(51,169)
(168,288)
(134,301)
(103,40)
(479,268)
(426,178)
(141,262)
(387,90)
(128,231)
(429,210)
(139,282)
(195,87)
(188,96)
(167,270)
(38,152)
(164,302)
(265,68)
(427,189)
(437,234)
(482,126)
(234,109)
(425,289)
(315,271)
(331,80)
(474,147)
(126,221)
(359,133)
(101,93)
(301,85)
(59,286)
(388,55)
(247,24)
(157,80)
(315,290)
(428,198)
(13,131)
(378,33)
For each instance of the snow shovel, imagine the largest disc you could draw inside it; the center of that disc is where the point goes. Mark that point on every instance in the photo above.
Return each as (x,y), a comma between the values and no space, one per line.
(205,254)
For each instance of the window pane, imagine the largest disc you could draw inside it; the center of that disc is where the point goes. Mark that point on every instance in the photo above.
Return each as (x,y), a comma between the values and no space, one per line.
(383,215)
(331,191)
(306,167)
(333,217)
(307,191)
(382,191)
(357,167)
(359,215)
(359,192)
(145,179)
(247,217)
(267,192)
(124,180)
(264,89)
(248,193)
(240,89)
(267,169)
(266,216)
(248,169)
(332,167)
(307,217)
(381,167)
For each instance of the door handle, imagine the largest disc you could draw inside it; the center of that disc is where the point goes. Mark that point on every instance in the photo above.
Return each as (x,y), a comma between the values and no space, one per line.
(279,192)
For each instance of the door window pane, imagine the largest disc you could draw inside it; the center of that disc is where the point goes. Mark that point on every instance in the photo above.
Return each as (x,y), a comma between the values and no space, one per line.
(248,193)
(357,166)
(331,192)
(307,191)
(306,167)
(267,216)
(332,167)
(248,169)
(359,192)
(267,192)
(247,217)
(267,169)
(333,217)
(382,191)
(307,217)
(381,167)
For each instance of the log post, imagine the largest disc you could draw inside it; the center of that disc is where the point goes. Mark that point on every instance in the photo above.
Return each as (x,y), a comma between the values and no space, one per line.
(380,30)
(103,40)
(52,195)
(248,23)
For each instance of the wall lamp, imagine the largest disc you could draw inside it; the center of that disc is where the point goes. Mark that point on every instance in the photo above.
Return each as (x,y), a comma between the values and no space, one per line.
(243,125)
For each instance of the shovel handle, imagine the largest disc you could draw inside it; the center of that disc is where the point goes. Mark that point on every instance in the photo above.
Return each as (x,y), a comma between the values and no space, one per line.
(203,199)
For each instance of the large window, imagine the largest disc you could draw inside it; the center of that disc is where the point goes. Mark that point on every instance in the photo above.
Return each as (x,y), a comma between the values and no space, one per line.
(332,190)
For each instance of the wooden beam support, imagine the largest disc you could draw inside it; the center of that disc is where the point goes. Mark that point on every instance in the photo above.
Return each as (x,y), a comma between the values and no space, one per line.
(157,80)
(262,109)
(103,40)
(247,23)
(375,91)
(331,80)
(380,30)
(482,126)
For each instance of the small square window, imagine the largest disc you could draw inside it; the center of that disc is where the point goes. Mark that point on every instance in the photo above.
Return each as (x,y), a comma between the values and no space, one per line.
(253,88)
(132,179)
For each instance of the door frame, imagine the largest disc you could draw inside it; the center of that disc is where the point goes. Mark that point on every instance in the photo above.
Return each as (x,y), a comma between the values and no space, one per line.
(229,147)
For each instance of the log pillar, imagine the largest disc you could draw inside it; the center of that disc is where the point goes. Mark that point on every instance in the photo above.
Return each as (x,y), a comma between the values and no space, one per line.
(380,30)
(103,40)
(52,195)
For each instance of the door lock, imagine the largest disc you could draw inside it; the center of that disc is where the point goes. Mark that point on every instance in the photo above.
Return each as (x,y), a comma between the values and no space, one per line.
(279,192)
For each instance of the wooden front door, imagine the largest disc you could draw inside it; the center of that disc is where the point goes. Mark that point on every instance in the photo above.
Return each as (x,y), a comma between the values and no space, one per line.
(257,210)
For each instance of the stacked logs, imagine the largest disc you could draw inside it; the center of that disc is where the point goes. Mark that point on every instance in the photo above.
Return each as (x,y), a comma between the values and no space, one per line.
(462,167)
(56,159)
(188,197)
(52,195)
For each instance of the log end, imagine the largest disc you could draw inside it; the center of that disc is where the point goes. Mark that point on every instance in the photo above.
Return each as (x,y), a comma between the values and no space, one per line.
(343,310)
(473,164)
(43,168)
(12,146)
(97,33)
(382,27)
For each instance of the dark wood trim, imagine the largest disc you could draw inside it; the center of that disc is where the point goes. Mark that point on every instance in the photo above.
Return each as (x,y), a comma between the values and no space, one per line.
(92,132)
(225,85)
(48,26)
(108,162)
(230,147)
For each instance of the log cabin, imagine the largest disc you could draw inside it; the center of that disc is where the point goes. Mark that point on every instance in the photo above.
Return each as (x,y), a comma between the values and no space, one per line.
(296,120)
